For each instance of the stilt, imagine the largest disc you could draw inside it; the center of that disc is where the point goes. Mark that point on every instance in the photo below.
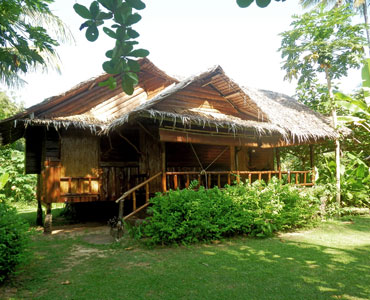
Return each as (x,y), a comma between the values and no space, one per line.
(39,207)
(48,219)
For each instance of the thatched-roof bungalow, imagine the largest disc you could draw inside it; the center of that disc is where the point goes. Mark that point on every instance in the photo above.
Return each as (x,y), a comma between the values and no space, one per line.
(96,144)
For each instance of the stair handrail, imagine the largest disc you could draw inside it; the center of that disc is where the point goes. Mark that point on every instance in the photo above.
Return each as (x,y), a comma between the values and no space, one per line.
(135,188)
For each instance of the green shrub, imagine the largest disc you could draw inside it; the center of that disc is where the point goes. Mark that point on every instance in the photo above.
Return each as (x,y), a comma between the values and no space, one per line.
(188,216)
(13,240)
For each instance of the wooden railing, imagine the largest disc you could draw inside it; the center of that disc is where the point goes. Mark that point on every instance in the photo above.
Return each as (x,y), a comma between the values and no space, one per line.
(220,178)
(80,187)
(132,192)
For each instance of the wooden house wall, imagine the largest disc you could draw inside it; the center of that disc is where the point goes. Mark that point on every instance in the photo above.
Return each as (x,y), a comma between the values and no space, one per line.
(260,159)
(181,157)
(119,163)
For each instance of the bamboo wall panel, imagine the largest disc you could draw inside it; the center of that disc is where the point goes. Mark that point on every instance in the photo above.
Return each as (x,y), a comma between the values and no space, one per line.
(79,158)
(242,158)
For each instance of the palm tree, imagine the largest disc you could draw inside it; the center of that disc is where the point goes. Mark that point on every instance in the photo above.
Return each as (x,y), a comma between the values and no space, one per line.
(358,5)
(29,35)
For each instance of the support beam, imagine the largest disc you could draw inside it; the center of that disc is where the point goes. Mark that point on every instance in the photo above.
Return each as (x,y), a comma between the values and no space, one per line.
(277,154)
(48,219)
(232,158)
(312,156)
(38,196)
(163,167)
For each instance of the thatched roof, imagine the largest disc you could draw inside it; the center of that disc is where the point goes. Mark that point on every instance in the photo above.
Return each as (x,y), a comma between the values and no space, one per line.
(264,111)
(210,100)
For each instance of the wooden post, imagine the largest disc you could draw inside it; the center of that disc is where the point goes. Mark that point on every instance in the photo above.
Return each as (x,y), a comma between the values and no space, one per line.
(175,185)
(147,193)
(163,167)
(134,201)
(250,178)
(120,210)
(277,154)
(48,219)
(232,158)
(38,196)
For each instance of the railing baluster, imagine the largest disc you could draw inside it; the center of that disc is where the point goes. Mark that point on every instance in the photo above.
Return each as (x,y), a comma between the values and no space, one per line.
(280,174)
(259,176)
(288,176)
(175,182)
(269,176)
(90,187)
(134,200)
(229,179)
(199,180)
(147,193)
(219,180)
(305,178)
(250,178)
(238,177)
(69,185)
(187,181)
(296,177)
(209,181)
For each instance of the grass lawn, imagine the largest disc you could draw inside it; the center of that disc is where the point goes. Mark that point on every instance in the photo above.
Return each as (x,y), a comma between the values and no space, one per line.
(328,262)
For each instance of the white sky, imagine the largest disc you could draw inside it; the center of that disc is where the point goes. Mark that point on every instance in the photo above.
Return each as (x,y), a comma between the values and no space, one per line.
(183,37)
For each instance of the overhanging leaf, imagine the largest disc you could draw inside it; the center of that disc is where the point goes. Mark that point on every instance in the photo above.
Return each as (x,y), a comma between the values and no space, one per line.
(139,53)
(263,3)
(92,33)
(82,11)
(137,4)
(244,3)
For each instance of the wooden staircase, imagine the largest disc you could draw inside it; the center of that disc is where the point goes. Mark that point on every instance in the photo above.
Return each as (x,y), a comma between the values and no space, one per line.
(132,192)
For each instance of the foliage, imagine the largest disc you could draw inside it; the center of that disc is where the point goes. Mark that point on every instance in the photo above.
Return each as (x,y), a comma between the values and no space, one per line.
(322,40)
(20,188)
(189,215)
(121,59)
(25,43)
(13,240)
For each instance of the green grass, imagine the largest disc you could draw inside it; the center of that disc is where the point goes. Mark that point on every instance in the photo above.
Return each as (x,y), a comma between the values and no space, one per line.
(28,212)
(328,262)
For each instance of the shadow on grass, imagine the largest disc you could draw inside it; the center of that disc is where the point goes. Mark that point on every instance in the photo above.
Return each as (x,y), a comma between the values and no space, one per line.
(30,216)
(297,266)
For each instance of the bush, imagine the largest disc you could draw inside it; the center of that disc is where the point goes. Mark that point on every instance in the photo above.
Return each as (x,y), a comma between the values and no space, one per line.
(13,240)
(189,215)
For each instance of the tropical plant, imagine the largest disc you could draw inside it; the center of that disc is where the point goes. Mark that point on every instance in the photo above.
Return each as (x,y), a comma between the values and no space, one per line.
(323,42)
(121,59)
(260,3)
(25,43)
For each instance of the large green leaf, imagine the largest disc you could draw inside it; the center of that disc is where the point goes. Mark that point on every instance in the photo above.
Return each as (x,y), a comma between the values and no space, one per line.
(94,9)
(111,83)
(244,3)
(82,11)
(134,65)
(3,180)
(365,72)
(132,19)
(263,3)
(139,53)
(92,33)
(137,4)
(127,84)
(109,32)
(132,33)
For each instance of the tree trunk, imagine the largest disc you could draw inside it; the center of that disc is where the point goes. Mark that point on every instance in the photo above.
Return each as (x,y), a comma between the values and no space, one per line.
(337,143)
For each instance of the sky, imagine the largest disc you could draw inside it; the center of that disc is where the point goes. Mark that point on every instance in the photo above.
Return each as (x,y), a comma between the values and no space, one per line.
(184,38)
